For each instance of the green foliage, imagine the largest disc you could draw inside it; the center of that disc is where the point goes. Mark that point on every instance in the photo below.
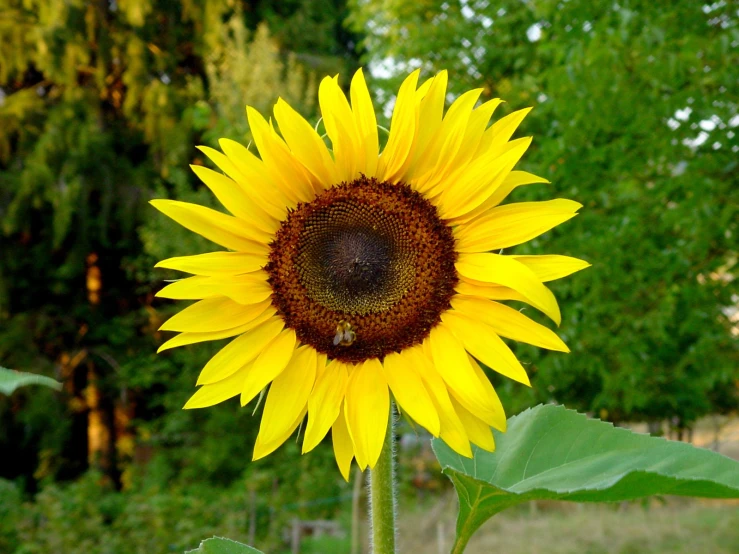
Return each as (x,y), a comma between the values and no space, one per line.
(11,380)
(255,71)
(219,545)
(10,505)
(101,107)
(552,453)
(635,117)
(89,515)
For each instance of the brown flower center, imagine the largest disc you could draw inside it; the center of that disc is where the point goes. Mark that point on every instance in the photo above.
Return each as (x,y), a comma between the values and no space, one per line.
(364,269)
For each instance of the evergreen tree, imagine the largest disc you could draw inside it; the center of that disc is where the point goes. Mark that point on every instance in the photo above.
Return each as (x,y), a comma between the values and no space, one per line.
(101,106)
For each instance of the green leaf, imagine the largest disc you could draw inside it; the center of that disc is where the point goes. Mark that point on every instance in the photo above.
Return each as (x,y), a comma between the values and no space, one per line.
(550,452)
(11,380)
(219,545)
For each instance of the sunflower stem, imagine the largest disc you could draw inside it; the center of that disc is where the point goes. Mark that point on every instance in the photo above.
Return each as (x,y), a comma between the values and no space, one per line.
(382,496)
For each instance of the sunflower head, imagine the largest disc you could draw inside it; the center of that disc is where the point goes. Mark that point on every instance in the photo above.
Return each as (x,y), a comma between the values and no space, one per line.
(363,270)
(350,274)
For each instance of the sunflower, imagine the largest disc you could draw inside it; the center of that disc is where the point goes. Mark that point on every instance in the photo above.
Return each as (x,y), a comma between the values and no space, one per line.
(352,274)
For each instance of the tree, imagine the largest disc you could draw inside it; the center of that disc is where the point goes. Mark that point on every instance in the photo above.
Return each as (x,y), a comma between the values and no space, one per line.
(635,116)
(101,106)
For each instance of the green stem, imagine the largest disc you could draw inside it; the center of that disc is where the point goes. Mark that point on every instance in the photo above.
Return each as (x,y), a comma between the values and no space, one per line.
(382,496)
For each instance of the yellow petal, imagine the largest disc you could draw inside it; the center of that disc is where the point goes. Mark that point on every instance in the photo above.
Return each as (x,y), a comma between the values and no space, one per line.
(214,314)
(220,228)
(190,288)
(512,224)
(210,395)
(240,351)
(342,441)
(247,174)
(473,134)
(281,166)
(486,290)
(191,338)
(263,448)
(450,360)
(402,132)
(514,180)
(224,163)
(470,287)
(272,360)
(324,403)
(477,430)
(454,129)
(288,396)
(502,130)
(436,161)
(256,179)
(341,129)
(366,123)
(236,201)
(409,391)
(551,267)
(506,271)
(423,90)
(484,344)
(220,263)
(452,431)
(431,111)
(508,322)
(481,178)
(249,288)
(367,406)
(499,422)
(305,143)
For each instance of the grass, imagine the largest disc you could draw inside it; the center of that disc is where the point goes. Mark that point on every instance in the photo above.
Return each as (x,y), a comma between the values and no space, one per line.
(675,526)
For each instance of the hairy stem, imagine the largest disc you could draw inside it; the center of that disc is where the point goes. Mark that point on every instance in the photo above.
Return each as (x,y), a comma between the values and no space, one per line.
(382,496)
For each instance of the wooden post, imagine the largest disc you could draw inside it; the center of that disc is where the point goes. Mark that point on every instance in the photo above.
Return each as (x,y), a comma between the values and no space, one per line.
(295,541)
(252,516)
(440,537)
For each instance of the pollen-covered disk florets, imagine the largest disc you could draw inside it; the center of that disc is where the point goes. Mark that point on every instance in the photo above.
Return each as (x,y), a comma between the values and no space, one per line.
(371,258)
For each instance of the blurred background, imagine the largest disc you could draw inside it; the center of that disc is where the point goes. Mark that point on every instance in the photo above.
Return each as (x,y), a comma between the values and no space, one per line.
(101,106)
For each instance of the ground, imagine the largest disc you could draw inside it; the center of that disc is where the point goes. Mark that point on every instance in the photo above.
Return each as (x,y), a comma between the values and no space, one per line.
(673,526)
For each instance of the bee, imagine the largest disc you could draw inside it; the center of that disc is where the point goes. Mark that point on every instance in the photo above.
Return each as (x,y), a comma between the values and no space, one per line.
(345,335)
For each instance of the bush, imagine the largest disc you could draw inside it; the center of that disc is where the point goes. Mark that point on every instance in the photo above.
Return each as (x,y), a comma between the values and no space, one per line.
(89,516)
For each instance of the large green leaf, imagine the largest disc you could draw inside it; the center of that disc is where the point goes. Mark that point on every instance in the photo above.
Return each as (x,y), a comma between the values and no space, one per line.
(550,452)
(11,380)
(219,545)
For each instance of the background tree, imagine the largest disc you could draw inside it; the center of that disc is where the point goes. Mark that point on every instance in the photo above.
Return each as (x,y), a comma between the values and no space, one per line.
(635,116)
(101,106)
